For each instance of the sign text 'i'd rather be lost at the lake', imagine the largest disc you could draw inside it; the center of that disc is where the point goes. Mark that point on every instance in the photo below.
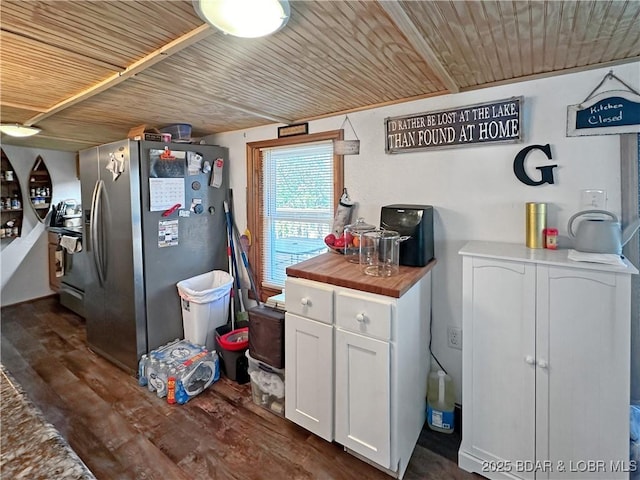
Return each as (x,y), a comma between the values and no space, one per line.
(494,122)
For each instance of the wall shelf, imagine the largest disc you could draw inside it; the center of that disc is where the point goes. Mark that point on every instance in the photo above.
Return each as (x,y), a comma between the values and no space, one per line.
(40,189)
(11,198)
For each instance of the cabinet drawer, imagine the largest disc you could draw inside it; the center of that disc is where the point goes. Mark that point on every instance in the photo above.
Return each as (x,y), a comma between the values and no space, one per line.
(309,299)
(371,317)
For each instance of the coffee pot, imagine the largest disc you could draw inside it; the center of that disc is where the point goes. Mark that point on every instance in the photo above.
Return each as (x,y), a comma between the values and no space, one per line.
(597,235)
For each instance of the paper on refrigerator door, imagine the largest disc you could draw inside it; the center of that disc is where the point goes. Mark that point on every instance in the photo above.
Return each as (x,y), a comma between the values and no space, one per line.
(115,164)
(216,175)
(166,180)
(194,163)
(167,233)
(164,193)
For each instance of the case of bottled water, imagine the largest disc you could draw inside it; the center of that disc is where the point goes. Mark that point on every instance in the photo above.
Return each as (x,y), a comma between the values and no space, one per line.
(178,370)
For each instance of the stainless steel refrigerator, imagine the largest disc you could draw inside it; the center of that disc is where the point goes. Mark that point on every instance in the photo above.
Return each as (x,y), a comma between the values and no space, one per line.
(139,247)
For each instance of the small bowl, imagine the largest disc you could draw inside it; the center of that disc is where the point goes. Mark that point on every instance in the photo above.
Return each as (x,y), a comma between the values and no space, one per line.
(339,250)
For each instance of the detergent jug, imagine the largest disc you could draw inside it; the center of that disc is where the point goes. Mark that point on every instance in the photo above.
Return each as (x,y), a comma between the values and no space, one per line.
(440,402)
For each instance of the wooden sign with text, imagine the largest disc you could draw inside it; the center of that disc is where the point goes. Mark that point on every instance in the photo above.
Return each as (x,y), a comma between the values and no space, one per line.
(295,129)
(607,113)
(495,122)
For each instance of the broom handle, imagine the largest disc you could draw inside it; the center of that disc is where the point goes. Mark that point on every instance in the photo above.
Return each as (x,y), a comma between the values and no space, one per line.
(243,252)
(233,257)
(233,317)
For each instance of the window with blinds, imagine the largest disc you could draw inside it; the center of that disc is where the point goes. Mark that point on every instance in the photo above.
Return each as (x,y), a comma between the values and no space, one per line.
(297,206)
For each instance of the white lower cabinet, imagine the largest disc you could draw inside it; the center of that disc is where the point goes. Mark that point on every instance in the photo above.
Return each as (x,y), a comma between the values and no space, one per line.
(546,364)
(356,373)
(309,374)
(362,395)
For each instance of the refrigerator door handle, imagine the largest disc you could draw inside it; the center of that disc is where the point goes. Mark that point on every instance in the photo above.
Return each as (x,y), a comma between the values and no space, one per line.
(97,251)
(89,233)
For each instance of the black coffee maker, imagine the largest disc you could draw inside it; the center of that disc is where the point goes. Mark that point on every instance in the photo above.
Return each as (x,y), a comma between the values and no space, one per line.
(415,221)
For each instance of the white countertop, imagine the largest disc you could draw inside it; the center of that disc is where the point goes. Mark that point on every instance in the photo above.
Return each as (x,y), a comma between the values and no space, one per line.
(521,253)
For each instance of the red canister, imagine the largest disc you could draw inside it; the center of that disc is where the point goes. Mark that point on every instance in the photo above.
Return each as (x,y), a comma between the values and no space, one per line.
(551,238)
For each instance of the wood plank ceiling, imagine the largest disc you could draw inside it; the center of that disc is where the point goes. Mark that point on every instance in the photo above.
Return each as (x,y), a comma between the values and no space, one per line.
(87,71)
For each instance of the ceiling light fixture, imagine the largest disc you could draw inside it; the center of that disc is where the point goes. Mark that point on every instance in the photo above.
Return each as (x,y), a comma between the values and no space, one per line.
(17,130)
(244,18)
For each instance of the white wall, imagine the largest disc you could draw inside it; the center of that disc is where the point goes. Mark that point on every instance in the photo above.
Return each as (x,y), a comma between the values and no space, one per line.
(24,261)
(473,189)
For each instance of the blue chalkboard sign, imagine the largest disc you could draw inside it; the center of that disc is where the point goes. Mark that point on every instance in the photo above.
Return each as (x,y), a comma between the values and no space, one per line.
(610,112)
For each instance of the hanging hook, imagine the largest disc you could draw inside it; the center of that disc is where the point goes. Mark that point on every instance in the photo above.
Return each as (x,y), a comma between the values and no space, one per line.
(346,119)
(608,76)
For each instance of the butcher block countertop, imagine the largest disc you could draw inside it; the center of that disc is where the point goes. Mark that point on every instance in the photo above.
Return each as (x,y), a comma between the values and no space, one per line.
(334,269)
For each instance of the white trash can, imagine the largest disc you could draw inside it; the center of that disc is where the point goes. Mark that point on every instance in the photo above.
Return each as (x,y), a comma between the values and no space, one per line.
(205,306)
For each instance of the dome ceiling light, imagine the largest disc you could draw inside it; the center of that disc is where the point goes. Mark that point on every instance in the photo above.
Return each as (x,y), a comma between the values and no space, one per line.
(17,130)
(244,18)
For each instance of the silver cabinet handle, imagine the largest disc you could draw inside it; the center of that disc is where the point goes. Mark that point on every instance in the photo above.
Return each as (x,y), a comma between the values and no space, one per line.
(543,363)
(305,301)
(360,317)
(530,360)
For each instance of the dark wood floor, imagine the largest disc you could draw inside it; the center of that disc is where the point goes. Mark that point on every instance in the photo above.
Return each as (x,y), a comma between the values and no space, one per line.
(122,431)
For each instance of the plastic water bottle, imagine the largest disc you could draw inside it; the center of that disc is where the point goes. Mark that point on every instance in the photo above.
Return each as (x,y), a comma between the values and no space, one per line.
(162,374)
(440,402)
(152,373)
(142,370)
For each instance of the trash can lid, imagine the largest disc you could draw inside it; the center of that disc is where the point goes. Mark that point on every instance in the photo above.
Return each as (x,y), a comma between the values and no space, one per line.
(235,340)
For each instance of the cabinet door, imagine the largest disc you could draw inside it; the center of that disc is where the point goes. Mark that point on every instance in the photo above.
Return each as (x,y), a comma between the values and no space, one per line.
(55,266)
(582,380)
(363,411)
(309,374)
(498,362)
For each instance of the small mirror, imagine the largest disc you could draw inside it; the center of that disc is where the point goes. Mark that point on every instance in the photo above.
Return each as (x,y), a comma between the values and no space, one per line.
(40,189)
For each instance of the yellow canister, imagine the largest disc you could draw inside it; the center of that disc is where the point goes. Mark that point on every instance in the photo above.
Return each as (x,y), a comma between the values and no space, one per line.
(536,222)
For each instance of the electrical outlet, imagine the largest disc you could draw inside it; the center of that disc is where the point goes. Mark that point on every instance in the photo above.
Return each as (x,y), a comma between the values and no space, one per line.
(454,337)
(593,199)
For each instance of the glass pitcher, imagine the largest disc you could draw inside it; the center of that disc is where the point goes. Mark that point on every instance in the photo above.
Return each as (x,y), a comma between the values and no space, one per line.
(380,252)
